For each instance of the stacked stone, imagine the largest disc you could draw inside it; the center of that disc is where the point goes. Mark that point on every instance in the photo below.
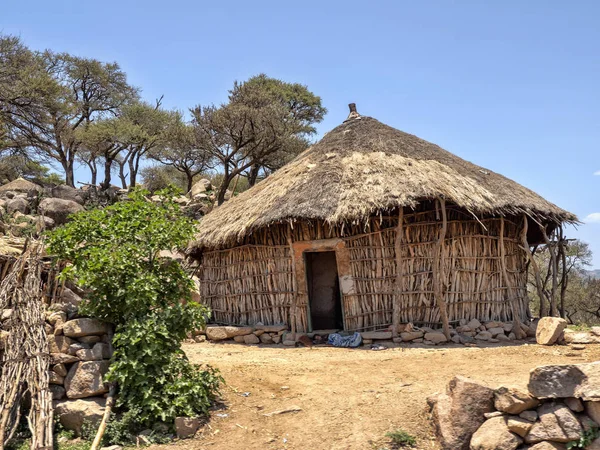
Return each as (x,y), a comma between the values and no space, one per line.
(467,333)
(80,350)
(560,406)
(258,334)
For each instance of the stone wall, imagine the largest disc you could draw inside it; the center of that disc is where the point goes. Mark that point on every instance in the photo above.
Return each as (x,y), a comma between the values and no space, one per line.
(468,333)
(561,405)
(80,349)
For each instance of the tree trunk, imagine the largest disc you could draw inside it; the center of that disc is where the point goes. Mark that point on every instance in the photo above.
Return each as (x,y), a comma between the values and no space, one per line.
(122,175)
(190,180)
(69,174)
(107,175)
(253,175)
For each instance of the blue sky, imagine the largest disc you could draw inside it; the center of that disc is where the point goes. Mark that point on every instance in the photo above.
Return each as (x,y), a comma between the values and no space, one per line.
(509,85)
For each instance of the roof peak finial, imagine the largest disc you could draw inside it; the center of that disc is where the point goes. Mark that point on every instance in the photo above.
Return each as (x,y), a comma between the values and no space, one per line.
(353,113)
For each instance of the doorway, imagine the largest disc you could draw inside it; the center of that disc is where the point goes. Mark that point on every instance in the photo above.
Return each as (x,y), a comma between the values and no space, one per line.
(323,291)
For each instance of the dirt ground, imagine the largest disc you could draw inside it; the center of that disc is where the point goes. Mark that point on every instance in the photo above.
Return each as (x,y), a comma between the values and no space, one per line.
(349,398)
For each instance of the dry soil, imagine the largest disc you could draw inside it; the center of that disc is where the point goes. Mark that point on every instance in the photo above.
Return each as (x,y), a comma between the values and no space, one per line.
(348,398)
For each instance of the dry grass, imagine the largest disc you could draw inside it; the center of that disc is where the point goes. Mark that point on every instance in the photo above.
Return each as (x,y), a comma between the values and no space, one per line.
(361,167)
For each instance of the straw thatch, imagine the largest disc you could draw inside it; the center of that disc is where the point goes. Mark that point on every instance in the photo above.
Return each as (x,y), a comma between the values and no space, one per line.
(21,185)
(364,166)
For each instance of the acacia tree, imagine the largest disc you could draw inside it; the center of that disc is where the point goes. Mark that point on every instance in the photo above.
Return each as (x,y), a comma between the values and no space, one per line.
(263,116)
(143,129)
(179,150)
(72,92)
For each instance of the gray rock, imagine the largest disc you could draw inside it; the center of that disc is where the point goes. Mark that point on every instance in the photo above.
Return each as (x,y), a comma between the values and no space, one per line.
(85,379)
(17,205)
(65,192)
(186,427)
(411,335)
(459,412)
(383,335)
(251,339)
(574,404)
(547,446)
(550,330)
(531,416)
(556,423)
(58,209)
(568,380)
(495,435)
(483,336)
(73,413)
(513,400)
(518,425)
(62,358)
(59,344)
(85,327)
(222,333)
(592,409)
(58,392)
(436,338)
(266,338)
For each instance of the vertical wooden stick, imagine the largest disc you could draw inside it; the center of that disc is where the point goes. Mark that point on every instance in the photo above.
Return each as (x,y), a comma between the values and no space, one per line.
(397,297)
(554,269)
(438,271)
(110,401)
(509,289)
(532,263)
(294,306)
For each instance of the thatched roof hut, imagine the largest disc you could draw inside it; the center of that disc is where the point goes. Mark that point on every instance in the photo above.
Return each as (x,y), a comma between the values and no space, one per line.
(381,199)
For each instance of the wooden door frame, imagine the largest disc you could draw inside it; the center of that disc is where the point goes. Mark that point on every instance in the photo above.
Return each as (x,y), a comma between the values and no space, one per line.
(342,258)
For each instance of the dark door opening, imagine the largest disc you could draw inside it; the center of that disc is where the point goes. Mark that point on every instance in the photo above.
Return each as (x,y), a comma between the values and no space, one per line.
(323,291)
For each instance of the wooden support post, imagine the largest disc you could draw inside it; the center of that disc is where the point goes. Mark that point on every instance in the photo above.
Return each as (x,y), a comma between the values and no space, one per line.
(398,285)
(438,271)
(509,289)
(532,263)
(553,268)
(294,305)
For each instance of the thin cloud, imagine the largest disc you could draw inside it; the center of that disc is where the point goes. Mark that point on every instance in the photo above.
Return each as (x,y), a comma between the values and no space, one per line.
(592,218)
(597,173)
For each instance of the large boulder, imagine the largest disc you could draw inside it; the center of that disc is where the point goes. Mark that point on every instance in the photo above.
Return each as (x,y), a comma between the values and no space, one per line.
(17,205)
(65,192)
(73,413)
(568,380)
(459,412)
(557,423)
(200,187)
(85,379)
(58,209)
(550,330)
(85,327)
(495,435)
(513,400)
(21,186)
(580,337)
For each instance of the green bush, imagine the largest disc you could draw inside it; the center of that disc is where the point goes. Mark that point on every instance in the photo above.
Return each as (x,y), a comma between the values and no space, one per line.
(115,254)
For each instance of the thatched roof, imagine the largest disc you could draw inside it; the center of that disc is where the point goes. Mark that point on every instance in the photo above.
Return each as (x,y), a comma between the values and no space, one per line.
(363,166)
(21,185)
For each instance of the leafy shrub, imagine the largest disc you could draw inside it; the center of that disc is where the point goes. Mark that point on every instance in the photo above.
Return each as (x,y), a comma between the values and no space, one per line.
(587,437)
(115,254)
(401,438)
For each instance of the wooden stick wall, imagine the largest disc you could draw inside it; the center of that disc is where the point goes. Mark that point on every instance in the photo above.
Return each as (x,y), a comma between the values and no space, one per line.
(255,282)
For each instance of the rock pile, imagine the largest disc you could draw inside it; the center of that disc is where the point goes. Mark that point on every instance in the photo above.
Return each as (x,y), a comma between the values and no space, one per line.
(467,333)
(80,349)
(258,334)
(560,406)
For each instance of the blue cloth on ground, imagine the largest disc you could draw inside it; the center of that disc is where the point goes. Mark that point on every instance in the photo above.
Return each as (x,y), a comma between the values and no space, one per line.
(337,340)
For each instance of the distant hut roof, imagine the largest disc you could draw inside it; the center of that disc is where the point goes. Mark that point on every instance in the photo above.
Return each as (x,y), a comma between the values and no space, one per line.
(363,166)
(21,185)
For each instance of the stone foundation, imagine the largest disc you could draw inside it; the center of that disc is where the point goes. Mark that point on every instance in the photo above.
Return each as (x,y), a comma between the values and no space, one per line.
(560,406)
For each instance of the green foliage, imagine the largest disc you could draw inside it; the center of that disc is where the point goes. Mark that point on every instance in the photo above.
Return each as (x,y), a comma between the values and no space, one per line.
(13,166)
(401,438)
(115,255)
(159,177)
(587,437)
